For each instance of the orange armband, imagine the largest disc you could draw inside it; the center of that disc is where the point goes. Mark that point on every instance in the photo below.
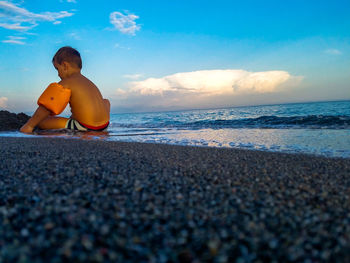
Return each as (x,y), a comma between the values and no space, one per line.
(55,98)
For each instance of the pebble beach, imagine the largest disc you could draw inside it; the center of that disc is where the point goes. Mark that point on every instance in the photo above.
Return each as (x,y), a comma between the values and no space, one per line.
(70,200)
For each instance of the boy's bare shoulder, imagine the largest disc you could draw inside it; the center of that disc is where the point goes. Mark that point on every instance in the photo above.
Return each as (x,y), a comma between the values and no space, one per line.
(71,82)
(65,83)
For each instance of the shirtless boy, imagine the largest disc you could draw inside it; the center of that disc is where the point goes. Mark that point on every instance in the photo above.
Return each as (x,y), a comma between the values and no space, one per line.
(89,110)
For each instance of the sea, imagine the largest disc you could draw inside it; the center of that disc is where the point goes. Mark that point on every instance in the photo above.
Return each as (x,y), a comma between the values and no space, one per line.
(318,128)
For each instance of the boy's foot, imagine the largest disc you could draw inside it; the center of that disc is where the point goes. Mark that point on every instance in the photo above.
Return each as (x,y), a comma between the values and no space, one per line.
(26,129)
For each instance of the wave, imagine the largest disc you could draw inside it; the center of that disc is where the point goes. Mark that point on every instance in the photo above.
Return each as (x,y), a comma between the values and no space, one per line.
(275,122)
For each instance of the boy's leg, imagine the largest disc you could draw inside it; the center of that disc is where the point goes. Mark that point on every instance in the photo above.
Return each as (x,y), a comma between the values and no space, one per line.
(53,123)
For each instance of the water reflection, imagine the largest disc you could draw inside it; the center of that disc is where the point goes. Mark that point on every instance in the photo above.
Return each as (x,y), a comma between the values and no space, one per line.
(62,133)
(327,142)
(334,143)
(66,133)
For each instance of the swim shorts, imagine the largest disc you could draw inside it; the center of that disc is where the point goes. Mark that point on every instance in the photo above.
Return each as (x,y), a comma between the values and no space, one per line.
(78,126)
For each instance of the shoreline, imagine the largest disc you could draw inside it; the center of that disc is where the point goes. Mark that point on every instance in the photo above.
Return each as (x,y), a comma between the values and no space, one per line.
(124,201)
(98,136)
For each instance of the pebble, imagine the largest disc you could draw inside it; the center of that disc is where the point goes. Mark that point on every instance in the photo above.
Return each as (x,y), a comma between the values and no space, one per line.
(95,201)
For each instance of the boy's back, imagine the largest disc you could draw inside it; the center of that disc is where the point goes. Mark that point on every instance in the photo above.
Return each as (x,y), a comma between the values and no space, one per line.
(86,102)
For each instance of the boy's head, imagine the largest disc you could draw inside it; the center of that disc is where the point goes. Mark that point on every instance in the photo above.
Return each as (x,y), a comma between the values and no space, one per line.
(67,54)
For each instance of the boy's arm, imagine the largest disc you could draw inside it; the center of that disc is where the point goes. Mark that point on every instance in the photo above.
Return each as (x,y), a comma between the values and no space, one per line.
(40,114)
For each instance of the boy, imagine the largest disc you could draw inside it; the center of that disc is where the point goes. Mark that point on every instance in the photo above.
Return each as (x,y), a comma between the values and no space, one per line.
(89,110)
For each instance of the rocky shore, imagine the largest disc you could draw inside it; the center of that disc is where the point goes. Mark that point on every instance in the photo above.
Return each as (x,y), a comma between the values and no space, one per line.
(66,200)
(12,121)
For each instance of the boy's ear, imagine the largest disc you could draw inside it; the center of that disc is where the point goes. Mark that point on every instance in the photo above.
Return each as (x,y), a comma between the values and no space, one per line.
(65,65)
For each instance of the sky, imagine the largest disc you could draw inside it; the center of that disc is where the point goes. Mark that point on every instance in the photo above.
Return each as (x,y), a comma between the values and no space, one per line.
(172,55)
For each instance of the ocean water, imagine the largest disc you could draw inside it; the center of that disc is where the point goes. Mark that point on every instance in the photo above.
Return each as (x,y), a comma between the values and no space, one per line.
(321,128)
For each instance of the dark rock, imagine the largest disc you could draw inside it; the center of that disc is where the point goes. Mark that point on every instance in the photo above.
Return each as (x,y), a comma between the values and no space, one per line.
(12,121)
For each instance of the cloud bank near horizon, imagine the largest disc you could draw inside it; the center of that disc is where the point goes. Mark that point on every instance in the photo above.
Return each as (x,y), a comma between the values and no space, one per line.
(204,88)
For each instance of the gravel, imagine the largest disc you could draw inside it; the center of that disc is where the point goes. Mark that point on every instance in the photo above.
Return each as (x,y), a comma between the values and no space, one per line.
(69,200)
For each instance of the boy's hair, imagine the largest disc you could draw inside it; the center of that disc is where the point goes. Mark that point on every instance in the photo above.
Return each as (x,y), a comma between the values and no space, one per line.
(69,55)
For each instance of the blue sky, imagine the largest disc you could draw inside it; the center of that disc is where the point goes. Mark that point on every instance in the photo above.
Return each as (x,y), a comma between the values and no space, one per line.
(165,55)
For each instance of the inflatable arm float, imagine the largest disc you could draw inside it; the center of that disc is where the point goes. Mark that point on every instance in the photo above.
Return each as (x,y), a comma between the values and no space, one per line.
(55,98)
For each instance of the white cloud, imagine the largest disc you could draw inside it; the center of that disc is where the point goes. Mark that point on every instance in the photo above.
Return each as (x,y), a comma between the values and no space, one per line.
(205,88)
(69,1)
(333,51)
(213,82)
(3,102)
(14,40)
(17,18)
(133,76)
(75,36)
(124,23)
(121,47)
(16,26)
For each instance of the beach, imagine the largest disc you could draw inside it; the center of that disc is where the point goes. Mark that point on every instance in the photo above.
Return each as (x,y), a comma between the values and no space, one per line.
(70,200)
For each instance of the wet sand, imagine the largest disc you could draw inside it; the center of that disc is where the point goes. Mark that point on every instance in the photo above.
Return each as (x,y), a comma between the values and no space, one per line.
(66,200)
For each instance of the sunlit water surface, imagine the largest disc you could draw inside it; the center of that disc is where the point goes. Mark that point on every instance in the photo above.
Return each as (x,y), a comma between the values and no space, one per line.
(312,128)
